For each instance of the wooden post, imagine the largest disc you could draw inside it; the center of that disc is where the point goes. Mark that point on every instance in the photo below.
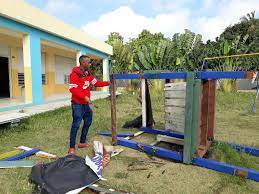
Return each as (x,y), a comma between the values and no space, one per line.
(207,115)
(195,116)
(143,95)
(113,110)
(211,111)
(187,156)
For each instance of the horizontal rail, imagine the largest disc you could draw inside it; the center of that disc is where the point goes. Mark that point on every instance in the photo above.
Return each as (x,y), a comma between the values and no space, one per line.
(183,75)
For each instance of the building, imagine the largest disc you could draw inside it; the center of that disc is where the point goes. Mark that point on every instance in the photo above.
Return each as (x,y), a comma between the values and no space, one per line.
(37,53)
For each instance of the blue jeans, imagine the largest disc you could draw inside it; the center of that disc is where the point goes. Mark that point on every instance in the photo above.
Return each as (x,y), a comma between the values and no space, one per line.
(80,112)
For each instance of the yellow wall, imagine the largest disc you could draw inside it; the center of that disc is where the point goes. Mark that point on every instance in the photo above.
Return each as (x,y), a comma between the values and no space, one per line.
(51,88)
(61,88)
(16,89)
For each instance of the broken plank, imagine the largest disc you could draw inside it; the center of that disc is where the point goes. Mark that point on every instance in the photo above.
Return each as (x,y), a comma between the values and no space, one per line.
(40,154)
(10,154)
(135,135)
(22,155)
(17,164)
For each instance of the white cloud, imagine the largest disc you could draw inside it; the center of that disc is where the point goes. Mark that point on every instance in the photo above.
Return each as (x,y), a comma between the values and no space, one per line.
(169,5)
(129,23)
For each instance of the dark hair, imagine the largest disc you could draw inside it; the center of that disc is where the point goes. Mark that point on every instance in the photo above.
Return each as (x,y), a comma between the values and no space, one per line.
(82,57)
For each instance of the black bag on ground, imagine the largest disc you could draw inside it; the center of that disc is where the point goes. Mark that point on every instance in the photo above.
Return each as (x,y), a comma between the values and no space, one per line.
(61,176)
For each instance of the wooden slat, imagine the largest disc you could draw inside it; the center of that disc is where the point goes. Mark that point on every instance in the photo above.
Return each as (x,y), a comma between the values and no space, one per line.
(175,94)
(174,117)
(175,102)
(167,139)
(175,110)
(175,86)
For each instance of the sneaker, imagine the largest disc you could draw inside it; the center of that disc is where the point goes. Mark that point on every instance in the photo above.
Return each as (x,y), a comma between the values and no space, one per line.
(84,145)
(71,151)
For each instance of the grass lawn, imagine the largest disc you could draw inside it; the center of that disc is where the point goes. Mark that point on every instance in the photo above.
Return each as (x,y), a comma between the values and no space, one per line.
(50,132)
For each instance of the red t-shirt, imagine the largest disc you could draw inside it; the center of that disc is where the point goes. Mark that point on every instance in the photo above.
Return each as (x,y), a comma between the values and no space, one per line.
(79,85)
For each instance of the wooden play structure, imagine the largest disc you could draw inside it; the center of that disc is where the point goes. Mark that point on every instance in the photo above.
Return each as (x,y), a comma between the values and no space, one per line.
(199,120)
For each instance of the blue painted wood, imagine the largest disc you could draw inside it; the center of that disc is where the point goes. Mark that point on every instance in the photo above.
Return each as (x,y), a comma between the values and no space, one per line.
(243,148)
(226,168)
(161,132)
(202,162)
(118,135)
(183,75)
(152,150)
(169,75)
(221,75)
(126,76)
(22,155)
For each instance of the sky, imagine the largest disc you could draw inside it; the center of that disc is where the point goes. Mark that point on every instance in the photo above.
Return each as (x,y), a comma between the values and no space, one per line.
(129,17)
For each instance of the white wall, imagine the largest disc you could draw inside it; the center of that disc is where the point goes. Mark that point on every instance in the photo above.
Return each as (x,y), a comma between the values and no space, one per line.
(43,63)
(63,67)
(4,50)
(20,62)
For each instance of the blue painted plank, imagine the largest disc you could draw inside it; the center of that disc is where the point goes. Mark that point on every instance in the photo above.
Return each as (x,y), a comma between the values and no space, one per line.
(126,76)
(161,132)
(169,75)
(152,150)
(246,149)
(22,155)
(226,168)
(118,135)
(221,75)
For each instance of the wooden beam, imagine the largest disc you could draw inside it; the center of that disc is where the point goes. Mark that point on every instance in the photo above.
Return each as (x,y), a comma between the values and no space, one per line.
(113,110)
(211,109)
(195,116)
(187,151)
(143,95)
